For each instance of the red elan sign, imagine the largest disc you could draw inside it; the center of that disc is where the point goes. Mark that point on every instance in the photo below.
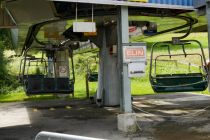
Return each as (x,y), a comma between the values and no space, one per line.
(134,53)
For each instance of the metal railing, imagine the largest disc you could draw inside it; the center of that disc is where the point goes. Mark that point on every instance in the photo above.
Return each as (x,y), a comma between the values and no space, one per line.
(57,136)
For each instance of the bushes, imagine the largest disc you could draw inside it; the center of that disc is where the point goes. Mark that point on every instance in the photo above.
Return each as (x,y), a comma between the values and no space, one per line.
(82,60)
(7,82)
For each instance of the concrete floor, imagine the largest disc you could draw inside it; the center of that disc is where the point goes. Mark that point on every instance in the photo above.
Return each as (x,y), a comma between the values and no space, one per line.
(161,117)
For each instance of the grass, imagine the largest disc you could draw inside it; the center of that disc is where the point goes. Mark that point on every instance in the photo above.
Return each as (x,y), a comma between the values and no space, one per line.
(139,86)
(80,93)
(20,96)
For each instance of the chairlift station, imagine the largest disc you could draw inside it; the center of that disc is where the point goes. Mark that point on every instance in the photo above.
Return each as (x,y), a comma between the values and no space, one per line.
(106,24)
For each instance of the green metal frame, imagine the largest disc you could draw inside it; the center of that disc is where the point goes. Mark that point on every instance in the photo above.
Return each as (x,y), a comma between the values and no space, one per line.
(91,76)
(41,84)
(178,82)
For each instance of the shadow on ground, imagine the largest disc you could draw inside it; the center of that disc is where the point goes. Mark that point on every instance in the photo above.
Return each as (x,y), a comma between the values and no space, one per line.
(180,116)
(22,121)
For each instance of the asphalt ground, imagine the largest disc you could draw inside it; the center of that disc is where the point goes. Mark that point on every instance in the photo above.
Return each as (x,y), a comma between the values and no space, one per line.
(177,116)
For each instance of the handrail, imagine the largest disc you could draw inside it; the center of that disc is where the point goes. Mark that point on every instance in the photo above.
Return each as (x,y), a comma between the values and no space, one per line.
(57,136)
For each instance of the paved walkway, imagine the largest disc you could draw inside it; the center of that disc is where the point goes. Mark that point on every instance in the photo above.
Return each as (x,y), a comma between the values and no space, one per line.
(161,117)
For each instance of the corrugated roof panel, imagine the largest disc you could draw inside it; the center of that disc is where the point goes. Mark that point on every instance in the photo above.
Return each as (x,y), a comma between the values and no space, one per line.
(173,2)
(199,3)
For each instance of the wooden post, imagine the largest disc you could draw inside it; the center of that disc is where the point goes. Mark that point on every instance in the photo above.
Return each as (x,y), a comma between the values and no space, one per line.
(87,86)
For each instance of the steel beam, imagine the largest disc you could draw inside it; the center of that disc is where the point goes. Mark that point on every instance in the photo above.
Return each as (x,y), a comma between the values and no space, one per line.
(123,37)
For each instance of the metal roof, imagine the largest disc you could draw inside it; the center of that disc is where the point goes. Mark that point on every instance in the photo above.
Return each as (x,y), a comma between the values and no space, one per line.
(131,4)
(41,12)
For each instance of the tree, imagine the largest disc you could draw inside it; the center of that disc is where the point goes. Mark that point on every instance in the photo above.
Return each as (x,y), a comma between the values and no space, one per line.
(5,43)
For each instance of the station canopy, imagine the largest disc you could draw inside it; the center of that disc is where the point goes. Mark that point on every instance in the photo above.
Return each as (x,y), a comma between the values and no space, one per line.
(47,17)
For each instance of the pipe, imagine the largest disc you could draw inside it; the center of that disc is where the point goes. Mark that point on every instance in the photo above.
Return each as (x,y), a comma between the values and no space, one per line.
(57,136)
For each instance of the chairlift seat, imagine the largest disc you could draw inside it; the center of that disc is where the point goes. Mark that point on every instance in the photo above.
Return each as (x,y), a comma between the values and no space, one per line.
(33,85)
(49,84)
(42,85)
(179,82)
(93,77)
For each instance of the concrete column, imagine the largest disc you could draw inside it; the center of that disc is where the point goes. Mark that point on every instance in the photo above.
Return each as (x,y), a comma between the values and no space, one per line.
(123,37)
(108,89)
(99,95)
(208,20)
(127,121)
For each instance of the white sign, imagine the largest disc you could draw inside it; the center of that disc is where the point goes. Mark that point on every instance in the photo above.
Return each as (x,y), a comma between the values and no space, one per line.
(134,54)
(63,71)
(136,69)
(84,27)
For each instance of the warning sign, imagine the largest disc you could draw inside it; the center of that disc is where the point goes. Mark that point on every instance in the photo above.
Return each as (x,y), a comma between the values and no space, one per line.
(134,54)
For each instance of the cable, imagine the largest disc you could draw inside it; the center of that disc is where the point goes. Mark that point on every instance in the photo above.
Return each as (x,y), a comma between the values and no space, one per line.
(189,115)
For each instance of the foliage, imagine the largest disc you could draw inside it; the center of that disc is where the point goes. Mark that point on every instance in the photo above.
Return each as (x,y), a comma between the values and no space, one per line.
(7,81)
(83,61)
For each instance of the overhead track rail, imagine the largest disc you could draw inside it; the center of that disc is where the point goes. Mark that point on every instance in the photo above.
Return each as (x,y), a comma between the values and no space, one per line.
(190,21)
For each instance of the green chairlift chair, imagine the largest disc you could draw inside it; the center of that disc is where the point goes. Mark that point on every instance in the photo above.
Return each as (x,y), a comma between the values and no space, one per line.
(181,82)
(39,83)
(92,75)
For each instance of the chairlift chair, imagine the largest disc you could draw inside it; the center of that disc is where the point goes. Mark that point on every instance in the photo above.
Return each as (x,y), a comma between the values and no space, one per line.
(182,82)
(41,84)
(91,75)
(31,62)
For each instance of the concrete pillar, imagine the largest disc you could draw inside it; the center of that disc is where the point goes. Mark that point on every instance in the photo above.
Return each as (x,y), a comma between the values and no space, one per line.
(99,95)
(108,87)
(110,74)
(127,123)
